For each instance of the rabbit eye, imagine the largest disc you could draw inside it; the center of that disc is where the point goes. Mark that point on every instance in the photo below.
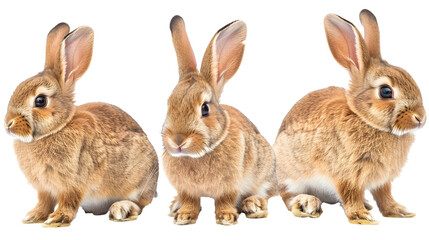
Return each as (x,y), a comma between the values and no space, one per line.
(386,92)
(40,101)
(205,109)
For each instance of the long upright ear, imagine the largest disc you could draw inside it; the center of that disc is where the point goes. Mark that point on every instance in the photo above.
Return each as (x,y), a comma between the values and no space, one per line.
(53,42)
(346,44)
(185,54)
(75,55)
(224,54)
(372,33)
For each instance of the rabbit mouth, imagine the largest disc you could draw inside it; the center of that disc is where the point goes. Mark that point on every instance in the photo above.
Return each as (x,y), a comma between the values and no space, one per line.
(408,122)
(183,151)
(178,144)
(186,149)
(186,154)
(399,130)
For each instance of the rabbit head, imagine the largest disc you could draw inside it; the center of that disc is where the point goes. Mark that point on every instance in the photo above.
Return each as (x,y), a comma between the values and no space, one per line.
(195,122)
(43,104)
(386,97)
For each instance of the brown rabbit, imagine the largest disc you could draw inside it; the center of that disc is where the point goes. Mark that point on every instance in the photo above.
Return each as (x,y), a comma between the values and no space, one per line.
(336,143)
(213,150)
(94,155)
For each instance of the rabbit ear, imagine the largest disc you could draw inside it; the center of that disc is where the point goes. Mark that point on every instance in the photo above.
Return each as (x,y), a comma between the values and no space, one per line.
(346,44)
(372,33)
(75,55)
(224,54)
(184,52)
(53,42)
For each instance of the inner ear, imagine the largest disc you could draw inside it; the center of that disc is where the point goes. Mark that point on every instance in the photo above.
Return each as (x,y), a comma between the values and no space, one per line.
(224,54)
(229,49)
(346,44)
(75,55)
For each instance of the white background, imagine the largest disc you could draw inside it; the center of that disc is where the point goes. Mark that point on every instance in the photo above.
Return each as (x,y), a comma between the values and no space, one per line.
(134,67)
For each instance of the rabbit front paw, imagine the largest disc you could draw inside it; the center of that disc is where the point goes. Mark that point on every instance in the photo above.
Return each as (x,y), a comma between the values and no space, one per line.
(227,217)
(361,217)
(35,216)
(397,211)
(59,218)
(185,218)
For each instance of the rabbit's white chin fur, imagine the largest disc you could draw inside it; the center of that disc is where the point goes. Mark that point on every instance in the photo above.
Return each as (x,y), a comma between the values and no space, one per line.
(26,139)
(191,155)
(399,133)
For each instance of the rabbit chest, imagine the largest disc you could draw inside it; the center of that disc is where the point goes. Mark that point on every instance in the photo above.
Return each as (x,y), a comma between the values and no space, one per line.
(215,173)
(55,162)
(46,165)
(380,162)
(205,176)
(369,157)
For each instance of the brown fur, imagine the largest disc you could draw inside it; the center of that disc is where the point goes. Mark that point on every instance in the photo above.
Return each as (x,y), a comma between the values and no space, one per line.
(222,155)
(94,152)
(351,139)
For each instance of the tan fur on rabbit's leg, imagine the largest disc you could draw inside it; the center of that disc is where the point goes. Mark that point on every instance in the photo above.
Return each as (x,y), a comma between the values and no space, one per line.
(175,206)
(189,209)
(68,204)
(387,205)
(44,207)
(226,213)
(254,207)
(352,201)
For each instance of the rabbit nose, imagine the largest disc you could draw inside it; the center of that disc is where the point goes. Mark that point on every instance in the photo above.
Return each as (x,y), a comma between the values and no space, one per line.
(420,119)
(10,123)
(179,140)
(417,118)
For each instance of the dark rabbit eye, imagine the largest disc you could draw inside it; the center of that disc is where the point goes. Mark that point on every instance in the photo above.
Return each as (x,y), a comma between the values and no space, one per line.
(40,101)
(386,92)
(205,109)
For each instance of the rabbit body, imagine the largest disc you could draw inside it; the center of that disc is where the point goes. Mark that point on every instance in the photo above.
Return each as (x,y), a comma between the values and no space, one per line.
(94,155)
(343,148)
(335,143)
(213,150)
